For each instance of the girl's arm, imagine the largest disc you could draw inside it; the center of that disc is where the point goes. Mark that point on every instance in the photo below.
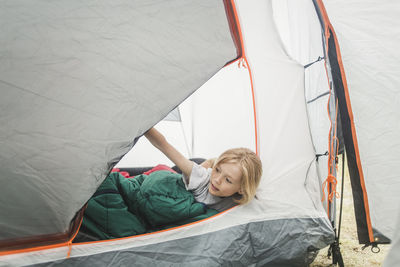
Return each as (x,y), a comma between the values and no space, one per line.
(159,141)
(208,163)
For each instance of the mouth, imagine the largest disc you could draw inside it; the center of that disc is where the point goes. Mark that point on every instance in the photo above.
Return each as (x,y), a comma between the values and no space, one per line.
(213,187)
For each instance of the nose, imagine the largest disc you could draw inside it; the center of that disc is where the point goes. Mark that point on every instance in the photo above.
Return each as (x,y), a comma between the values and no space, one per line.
(218,179)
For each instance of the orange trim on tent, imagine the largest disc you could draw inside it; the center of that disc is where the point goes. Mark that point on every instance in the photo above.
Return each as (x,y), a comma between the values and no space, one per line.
(152,233)
(22,244)
(328,26)
(69,243)
(250,74)
(254,108)
(25,250)
(76,232)
(331,180)
(234,27)
(238,39)
(69,236)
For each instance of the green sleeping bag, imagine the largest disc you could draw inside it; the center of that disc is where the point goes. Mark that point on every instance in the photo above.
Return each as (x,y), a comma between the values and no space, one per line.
(130,206)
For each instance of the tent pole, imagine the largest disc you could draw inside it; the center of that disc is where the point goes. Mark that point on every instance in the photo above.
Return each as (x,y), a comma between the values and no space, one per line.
(341,195)
(334,249)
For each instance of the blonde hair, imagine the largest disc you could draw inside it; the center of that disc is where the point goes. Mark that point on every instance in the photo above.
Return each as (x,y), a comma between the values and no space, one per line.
(251,168)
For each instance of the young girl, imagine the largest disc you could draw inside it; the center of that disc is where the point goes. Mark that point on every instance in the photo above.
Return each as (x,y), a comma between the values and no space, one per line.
(218,183)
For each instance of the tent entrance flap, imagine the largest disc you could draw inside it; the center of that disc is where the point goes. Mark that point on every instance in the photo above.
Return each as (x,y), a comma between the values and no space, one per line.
(80,82)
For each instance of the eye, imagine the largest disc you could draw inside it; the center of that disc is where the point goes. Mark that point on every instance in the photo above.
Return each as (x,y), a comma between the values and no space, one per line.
(228,180)
(217,169)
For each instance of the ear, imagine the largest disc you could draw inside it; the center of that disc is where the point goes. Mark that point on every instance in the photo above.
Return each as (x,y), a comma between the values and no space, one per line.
(240,192)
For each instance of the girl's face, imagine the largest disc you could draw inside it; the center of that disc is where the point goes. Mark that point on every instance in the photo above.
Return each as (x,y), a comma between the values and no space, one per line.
(225,179)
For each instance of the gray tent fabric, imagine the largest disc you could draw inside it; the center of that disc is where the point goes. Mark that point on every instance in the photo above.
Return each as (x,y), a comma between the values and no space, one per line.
(393,257)
(253,244)
(78,82)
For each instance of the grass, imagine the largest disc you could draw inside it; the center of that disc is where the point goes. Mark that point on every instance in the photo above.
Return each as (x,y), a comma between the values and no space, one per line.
(352,252)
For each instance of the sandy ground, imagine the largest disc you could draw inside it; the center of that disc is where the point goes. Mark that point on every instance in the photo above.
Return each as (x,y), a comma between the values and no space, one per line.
(352,252)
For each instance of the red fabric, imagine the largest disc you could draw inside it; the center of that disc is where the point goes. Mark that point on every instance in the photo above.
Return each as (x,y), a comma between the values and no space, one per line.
(160,167)
(125,174)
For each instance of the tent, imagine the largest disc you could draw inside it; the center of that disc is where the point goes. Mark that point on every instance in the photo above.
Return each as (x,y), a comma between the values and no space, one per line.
(81,82)
(392,259)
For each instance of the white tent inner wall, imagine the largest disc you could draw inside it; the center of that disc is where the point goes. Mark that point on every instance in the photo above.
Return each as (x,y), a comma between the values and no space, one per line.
(223,106)
(301,34)
(217,117)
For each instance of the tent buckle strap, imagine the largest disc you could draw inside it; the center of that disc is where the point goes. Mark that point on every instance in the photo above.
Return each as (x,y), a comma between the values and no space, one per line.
(374,247)
(309,64)
(320,155)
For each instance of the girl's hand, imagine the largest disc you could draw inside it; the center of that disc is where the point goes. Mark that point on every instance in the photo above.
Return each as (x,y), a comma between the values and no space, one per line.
(159,141)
